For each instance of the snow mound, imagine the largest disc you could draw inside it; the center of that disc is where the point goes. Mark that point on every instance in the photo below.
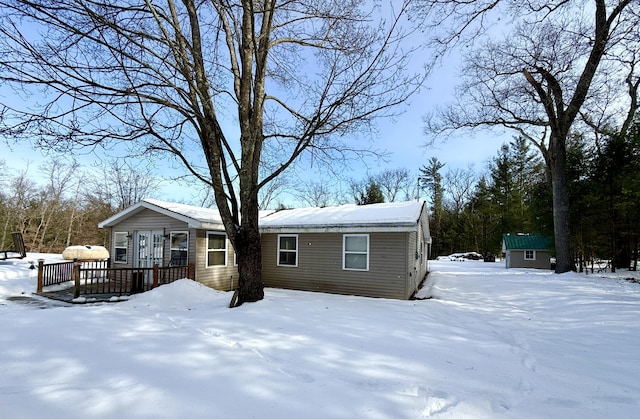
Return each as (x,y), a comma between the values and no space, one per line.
(181,294)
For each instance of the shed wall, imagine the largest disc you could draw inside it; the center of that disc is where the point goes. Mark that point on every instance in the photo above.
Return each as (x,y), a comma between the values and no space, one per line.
(517,260)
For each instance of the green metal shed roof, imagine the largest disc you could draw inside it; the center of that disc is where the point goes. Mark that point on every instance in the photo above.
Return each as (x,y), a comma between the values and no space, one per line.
(526,242)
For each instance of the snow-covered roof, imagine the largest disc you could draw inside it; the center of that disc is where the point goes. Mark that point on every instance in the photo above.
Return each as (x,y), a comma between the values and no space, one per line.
(195,217)
(399,216)
(396,216)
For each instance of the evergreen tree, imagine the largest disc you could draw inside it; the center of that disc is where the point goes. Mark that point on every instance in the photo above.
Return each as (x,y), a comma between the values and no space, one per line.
(616,182)
(502,190)
(431,180)
(483,208)
(527,169)
(588,210)
(373,195)
(511,197)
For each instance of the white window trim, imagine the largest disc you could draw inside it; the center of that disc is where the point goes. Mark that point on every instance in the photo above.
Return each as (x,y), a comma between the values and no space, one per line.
(288,251)
(216,233)
(344,252)
(171,249)
(125,247)
(533,257)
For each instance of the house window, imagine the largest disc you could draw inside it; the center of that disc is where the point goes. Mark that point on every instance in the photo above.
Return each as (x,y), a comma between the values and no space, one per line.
(355,252)
(529,255)
(216,249)
(287,250)
(120,246)
(179,248)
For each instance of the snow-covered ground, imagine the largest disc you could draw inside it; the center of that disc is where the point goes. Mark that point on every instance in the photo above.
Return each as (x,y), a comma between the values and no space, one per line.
(491,343)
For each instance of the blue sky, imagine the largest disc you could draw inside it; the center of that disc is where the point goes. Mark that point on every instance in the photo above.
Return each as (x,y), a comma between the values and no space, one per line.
(403,138)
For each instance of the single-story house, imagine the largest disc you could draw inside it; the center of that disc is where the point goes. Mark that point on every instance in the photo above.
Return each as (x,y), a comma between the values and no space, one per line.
(377,250)
(527,251)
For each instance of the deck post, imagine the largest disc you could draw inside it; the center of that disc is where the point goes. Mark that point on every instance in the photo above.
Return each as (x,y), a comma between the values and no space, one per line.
(191,271)
(40,274)
(75,276)
(156,275)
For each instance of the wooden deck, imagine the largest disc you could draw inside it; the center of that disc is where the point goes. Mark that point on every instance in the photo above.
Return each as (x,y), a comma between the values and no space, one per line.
(72,282)
(66,295)
(36,302)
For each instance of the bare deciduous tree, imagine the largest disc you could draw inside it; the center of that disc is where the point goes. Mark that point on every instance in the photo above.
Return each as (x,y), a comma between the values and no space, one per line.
(316,194)
(19,195)
(395,184)
(271,191)
(61,176)
(212,83)
(123,184)
(460,184)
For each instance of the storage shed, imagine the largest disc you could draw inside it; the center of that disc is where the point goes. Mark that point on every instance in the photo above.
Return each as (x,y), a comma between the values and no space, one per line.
(527,251)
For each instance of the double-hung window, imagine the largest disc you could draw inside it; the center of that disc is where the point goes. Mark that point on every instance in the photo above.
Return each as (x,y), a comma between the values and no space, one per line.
(287,250)
(120,245)
(355,254)
(216,249)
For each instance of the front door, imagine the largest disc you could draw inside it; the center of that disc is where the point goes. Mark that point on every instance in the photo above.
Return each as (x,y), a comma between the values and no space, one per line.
(149,247)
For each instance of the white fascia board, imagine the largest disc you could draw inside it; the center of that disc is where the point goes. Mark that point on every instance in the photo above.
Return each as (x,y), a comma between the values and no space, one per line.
(339,229)
(208,226)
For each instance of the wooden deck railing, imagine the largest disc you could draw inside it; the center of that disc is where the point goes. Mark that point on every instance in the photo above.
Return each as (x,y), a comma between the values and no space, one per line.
(99,278)
(53,273)
(126,281)
(168,274)
(61,272)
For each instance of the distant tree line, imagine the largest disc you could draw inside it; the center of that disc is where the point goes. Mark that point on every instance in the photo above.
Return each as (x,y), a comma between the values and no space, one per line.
(66,209)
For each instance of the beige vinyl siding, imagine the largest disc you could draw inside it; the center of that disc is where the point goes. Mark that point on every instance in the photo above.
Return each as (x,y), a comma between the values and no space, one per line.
(417,260)
(414,271)
(320,261)
(222,278)
(147,220)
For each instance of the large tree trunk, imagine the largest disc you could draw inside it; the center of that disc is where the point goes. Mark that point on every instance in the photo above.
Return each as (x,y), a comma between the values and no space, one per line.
(247,241)
(561,218)
(249,252)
